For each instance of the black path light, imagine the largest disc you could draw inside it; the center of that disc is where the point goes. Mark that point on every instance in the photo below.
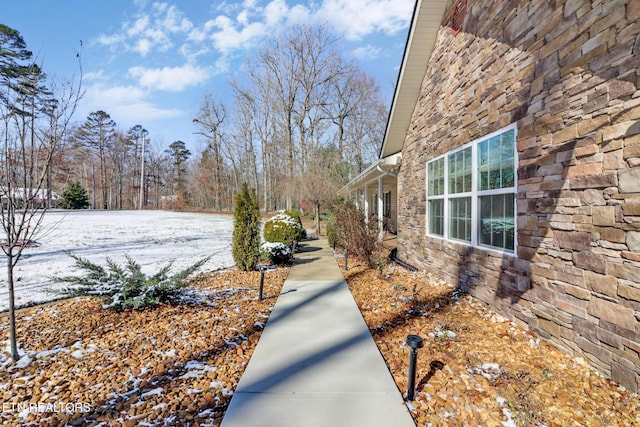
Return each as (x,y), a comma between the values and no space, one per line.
(414,342)
(262,269)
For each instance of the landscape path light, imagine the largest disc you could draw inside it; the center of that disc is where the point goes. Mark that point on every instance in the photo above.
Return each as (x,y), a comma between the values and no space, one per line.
(262,269)
(414,342)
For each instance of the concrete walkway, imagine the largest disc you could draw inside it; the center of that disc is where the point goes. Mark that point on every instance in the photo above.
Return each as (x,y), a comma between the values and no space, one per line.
(316,363)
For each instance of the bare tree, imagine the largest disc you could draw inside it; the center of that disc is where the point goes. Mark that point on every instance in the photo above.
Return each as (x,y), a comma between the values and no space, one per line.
(211,124)
(300,95)
(257,120)
(157,175)
(36,120)
(321,180)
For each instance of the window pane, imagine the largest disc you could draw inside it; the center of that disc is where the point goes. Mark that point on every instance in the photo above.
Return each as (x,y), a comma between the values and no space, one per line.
(460,218)
(497,221)
(436,217)
(387,204)
(435,175)
(460,171)
(496,162)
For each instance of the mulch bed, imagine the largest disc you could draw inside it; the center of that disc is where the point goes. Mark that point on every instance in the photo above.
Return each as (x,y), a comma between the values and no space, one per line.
(171,365)
(476,367)
(180,364)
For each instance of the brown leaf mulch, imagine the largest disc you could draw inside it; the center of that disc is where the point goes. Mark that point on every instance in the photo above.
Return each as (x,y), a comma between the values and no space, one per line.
(171,365)
(476,367)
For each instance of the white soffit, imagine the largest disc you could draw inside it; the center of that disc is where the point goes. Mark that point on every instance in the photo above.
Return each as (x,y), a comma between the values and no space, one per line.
(425,24)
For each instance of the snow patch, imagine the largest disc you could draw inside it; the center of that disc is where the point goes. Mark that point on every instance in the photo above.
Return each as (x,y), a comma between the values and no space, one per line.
(158,391)
(443,334)
(23,362)
(52,352)
(510,422)
(78,354)
(490,371)
(196,369)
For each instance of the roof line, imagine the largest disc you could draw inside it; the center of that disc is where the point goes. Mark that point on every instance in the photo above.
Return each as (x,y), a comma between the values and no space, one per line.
(402,65)
(421,38)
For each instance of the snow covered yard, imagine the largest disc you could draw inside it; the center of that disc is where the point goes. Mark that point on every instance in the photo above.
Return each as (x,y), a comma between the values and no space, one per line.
(151,238)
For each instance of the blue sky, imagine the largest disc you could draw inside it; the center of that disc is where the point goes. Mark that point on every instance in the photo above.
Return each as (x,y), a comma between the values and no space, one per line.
(150,62)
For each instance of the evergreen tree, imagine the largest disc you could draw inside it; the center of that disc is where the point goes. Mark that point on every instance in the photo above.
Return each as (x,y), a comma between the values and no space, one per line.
(74,197)
(246,229)
(98,134)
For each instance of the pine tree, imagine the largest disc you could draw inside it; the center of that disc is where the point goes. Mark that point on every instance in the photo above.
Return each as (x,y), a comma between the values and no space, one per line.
(74,197)
(246,229)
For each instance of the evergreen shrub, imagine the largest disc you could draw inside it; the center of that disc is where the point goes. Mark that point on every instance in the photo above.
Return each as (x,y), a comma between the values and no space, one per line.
(283,228)
(302,233)
(246,230)
(128,287)
(74,197)
(275,252)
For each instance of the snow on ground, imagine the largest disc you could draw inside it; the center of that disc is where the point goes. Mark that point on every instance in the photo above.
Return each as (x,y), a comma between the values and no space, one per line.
(151,238)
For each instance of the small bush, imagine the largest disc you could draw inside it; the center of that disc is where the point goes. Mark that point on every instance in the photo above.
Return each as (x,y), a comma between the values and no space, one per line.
(74,197)
(283,228)
(332,231)
(354,234)
(275,252)
(127,287)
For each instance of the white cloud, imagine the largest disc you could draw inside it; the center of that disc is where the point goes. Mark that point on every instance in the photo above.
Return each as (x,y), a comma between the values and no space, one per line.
(252,22)
(175,21)
(113,95)
(366,52)
(94,76)
(359,18)
(230,37)
(139,26)
(150,30)
(127,105)
(243,17)
(110,40)
(275,12)
(174,79)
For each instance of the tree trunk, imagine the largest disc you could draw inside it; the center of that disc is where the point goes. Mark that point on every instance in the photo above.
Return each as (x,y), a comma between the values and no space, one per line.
(317,219)
(12,308)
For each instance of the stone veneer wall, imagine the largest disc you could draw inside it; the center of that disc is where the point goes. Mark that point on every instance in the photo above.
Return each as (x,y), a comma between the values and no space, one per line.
(567,73)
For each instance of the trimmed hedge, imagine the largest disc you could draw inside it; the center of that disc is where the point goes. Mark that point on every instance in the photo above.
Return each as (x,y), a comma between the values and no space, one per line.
(284,228)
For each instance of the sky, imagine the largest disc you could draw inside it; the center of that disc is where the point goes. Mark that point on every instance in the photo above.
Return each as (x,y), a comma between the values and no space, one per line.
(151,62)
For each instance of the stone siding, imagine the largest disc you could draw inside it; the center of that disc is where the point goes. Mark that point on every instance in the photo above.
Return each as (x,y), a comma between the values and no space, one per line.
(566,72)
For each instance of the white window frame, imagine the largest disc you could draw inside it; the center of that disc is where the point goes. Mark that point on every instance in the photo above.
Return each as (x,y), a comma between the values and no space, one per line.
(475,194)
(442,197)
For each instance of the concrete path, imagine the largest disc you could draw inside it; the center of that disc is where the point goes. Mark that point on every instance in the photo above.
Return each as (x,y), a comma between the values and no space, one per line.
(316,363)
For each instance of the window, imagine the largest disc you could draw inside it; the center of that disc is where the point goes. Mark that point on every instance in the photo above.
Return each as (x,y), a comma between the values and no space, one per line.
(373,205)
(471,192)
(386,203)
(460,177)
(435,195)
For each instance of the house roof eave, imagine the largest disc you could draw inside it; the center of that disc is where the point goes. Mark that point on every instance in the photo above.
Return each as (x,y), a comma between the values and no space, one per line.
(380,168)
(421,38)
